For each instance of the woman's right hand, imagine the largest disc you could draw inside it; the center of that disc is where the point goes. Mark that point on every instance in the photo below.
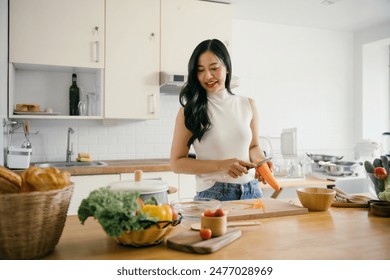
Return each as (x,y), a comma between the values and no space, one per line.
(235,167)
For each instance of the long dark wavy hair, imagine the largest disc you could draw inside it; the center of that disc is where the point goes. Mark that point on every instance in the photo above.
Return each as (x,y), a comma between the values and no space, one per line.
(193,97)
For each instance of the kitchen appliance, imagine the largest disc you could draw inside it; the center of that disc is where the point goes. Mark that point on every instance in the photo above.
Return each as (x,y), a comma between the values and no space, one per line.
(367,149)
(316,158)
(171,83)
(288,142)
(18,158)
(340,168)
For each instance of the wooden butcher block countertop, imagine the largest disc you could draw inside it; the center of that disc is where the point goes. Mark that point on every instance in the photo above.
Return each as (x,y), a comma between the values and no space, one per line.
(122,166)
(340,233)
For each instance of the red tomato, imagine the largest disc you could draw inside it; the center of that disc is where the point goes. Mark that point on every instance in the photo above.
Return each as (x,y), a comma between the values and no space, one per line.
(205,233)
(208,213)
(219,213)
(380,173)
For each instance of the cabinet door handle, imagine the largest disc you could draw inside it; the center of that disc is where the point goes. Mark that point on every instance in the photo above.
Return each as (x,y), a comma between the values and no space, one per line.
(152,104)
(97,51)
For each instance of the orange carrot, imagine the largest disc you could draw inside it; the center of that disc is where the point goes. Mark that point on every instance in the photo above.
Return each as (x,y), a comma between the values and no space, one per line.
(266,173)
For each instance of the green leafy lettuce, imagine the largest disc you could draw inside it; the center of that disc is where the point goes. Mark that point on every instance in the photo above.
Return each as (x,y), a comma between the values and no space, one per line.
(115,211)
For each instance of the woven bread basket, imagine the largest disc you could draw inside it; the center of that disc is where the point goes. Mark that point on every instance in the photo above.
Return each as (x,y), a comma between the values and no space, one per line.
(31,223)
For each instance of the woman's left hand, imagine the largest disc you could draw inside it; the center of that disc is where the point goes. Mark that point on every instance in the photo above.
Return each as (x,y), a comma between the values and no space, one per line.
(258,176)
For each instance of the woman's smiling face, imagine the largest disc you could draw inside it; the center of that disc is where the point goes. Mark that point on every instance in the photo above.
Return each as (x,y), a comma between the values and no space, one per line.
(211,72)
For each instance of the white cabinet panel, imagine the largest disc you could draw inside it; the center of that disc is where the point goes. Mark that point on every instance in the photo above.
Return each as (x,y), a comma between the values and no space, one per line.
(184,24)
(132,59)
(57,32)
(187,186)
(84,185)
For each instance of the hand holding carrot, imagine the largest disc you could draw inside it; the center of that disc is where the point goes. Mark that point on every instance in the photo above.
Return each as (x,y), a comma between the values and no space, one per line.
(264,173)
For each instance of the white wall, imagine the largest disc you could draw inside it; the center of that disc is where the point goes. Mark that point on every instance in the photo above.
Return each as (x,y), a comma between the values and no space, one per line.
(371,83)
(300,77)
(375,89)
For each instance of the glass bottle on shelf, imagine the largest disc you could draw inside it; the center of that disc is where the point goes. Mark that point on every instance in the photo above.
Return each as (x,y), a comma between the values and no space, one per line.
(74,97)
(82,106)
(91,103)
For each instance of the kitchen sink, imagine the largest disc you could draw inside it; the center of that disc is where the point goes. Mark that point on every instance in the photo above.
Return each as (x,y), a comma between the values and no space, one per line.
(64,164)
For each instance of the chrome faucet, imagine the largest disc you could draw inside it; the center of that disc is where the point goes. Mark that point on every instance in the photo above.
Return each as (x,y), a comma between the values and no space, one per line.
(69,147)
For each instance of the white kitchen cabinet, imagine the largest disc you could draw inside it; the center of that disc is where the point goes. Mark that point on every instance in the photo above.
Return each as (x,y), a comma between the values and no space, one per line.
(57,32)
(86,184)
(48,41)
(48,86)
(132,59)
(168,177)
(184,24)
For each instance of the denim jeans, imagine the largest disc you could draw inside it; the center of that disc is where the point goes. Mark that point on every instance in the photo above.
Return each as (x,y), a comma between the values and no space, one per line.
(229,191)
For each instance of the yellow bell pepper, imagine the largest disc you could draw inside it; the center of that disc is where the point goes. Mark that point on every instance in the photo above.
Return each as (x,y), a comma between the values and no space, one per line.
(161,212)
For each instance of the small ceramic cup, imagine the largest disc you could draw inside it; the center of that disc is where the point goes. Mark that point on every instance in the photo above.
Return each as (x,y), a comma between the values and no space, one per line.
(218,225)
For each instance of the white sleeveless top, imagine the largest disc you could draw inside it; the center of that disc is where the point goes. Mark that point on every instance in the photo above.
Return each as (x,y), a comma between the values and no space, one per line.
(230,136)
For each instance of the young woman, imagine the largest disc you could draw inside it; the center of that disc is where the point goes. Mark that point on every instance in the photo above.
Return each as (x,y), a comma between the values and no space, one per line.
(221,127)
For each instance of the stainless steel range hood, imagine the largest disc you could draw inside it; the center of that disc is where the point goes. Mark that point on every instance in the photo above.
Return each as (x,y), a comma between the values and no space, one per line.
(171,83)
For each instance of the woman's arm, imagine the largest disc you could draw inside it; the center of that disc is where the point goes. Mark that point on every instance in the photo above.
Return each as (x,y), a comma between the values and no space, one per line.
(255,152)
(181,163)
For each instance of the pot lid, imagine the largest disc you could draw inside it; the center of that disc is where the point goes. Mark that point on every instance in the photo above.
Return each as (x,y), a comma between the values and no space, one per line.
(144,187)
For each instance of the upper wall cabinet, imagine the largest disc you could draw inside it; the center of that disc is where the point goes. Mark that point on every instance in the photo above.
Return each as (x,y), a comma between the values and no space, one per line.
(132,59)
(184,24)
(57,32)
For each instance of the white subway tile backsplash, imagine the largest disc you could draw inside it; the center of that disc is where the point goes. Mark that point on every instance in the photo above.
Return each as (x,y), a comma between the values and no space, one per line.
(98,149)
(107,140)
(131,139)
(116,149)
(126,139)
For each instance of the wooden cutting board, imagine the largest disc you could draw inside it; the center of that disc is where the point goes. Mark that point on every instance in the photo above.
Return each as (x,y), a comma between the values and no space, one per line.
(191,242)
(242,209)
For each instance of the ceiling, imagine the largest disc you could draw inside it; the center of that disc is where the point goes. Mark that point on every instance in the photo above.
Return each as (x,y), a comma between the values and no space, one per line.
(346,15)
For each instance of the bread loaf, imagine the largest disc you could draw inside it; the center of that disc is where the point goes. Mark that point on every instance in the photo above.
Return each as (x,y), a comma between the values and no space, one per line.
(7,187)
(33,179)
(27,108)
(44,179)
(10,181)
(21,108)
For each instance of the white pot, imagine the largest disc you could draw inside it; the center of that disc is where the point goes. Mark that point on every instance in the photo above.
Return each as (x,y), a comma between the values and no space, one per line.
(147,188)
